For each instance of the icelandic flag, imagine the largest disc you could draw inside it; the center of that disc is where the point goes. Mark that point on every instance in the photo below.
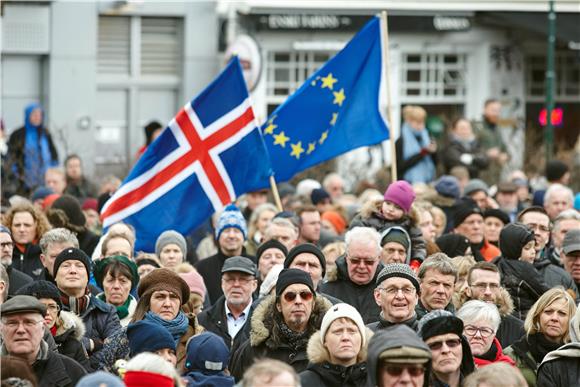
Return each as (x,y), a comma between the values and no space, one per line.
(210,153)
(341,107)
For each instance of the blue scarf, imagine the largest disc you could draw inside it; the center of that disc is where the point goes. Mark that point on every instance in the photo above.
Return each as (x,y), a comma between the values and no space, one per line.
(177,327)
(424,170)
(37,156)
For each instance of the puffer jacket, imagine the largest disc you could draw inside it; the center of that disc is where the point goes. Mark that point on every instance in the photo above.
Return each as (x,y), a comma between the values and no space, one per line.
(321,372)
(361,297)
(70,331)
(266,338)
(370,216)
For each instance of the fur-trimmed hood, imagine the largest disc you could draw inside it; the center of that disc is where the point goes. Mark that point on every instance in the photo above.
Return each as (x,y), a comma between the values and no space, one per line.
(69,321)
(318,354)
(371,208)
(263,324)
(505,304)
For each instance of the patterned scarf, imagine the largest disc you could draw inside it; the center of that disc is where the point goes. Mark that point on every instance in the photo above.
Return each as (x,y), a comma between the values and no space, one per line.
(177,327)
(76,305)
(296,340)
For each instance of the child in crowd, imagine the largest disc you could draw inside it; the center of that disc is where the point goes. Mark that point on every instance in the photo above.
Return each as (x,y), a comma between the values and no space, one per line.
(207,362)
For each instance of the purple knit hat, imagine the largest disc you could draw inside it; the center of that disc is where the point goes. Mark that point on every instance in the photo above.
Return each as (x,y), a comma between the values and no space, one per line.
(401,193)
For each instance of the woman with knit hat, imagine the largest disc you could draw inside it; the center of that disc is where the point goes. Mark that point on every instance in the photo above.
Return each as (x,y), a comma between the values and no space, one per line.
(118,277)
(161,296)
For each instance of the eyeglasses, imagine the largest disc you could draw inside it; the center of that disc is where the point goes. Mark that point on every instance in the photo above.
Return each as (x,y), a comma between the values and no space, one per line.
(14,324)
(397,370)
(485,332)
(363,261)
(451,343)
(53,308)
(393,291)
(483,286)
(305,295)
(6,244)
(540,227)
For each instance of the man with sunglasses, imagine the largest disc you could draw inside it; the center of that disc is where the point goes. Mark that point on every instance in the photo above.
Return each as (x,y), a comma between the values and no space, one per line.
(282,324)
(452,359)
(22,329)
(16,278)
(398,357)
(354,277)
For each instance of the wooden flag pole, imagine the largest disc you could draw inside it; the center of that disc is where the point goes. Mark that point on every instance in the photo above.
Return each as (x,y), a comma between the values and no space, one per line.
(275,193)
(386,64)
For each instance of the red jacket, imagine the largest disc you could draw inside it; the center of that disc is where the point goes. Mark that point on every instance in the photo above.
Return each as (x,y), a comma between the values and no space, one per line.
(489,251)
(498,357)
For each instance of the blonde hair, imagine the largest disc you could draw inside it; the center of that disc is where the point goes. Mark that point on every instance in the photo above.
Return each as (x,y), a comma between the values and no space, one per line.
(338,247)
(463,264)
(414,112)
(532,322)
(496,375)
(268,369)
(184,267)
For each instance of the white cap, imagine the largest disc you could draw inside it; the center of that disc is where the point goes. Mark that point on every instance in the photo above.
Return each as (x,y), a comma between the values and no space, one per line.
(339,311)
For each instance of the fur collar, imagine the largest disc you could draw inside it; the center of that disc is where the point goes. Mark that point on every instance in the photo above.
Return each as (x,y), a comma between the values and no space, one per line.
(505,304)
(263,325)
(68,321)
(318,354)
(371,208)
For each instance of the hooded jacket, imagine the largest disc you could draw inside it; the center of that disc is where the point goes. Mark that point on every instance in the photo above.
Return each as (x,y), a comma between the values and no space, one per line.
(407,237)
(391,338)
(361,297)
(511,328)
(68,338)
(370,216)
(266,338)
(321,372)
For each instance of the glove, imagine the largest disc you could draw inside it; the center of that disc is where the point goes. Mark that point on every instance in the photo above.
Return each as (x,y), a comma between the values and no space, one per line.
(466,158)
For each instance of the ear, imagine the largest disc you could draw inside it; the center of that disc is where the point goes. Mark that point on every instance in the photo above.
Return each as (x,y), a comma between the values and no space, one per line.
(43,259)
(467,291)
(254,285)
(377,294)
(278,307)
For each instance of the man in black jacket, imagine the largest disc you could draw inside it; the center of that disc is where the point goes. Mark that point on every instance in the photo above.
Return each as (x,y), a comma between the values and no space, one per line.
(229,317)
(22,331)
(17,279)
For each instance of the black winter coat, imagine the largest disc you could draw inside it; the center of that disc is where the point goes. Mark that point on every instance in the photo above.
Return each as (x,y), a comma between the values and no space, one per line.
(17,279)
(554,275)
(56,370)
(331,375)
(452,154)
(29,261)
(562,370)
(361,297)
(68,338)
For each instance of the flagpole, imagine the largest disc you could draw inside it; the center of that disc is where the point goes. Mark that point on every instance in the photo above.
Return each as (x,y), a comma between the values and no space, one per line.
(385,57)
(276,194)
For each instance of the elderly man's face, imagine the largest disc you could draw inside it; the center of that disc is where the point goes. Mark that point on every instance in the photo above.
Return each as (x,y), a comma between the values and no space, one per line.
(446,351)
(540,224)
(559,201)
(23,227)
(55,180)
(471,228)
(238,288)
(397,298)
(119,246)
(52,251)
(22,334)
(362,259)
(285,235)
(436,289)
(393,252)
(6,248)
(72,277)
(296,303)
(572,264)
(561,229)
(309,263)
(398,375)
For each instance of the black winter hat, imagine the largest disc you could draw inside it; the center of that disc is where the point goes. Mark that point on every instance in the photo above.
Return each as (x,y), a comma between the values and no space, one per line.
(72,254)
(555,169)
(306,248)
(289,277)
(453,245)
(318,195)
(41,289)
(72,208)
(513,238)
(271,244)
(497,213)
(463,209)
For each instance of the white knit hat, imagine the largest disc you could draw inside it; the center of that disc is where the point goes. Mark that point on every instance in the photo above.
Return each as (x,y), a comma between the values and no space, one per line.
(339,311)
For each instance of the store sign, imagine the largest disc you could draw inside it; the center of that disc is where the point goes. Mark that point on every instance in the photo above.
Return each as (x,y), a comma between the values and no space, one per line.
(446,23)
(305,22)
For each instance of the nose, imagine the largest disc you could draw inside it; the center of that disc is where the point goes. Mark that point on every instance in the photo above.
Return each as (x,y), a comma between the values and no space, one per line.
(405,376)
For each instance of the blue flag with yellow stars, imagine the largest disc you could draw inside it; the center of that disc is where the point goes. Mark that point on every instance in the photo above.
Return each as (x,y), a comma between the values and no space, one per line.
(339,108)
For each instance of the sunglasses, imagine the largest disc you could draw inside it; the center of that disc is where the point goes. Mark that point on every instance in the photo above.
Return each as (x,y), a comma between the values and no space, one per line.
(305,295)
(451,343)
(397,370)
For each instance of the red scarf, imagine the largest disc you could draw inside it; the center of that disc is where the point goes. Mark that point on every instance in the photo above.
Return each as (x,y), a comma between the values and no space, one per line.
(499,356)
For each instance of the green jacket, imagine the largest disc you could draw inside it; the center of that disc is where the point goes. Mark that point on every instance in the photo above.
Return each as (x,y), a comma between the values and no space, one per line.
(524,361)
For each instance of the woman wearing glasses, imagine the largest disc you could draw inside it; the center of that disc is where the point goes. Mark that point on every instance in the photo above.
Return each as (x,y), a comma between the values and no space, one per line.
(480,323)
(66,328)
(547,329)
(451,355)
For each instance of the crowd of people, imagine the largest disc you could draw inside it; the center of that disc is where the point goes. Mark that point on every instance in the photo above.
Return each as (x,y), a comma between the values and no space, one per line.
(454,275)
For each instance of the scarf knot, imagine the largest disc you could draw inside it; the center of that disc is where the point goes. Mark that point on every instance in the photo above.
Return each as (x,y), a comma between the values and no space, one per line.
(177,327)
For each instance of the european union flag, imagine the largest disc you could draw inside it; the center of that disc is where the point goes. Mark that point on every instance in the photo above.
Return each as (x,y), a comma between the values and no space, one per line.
(339,108)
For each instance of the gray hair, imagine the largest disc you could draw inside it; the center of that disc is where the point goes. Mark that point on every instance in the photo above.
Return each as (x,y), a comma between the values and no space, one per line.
(268,369)
(570,214)
(4,278)
(329,178)
(440,262)
(283,222)
(476,310)
(365,235)
(554,188)
(57,235)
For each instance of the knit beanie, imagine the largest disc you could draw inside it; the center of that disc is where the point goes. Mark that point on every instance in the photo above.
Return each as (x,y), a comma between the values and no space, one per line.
(475,185)
(72,254)
(41,289)
(289,277)
(497,213)
(453,245)
(147,336)
(513,238)
(271,244)
(102,264)
(101,379)
(448,186)
(334,218)
(163,279)
(342,310)
(306,248)
(401,193)
(398,270)
(555,169)
(207,353)
(231,217)
(318,195)
(464,209)
(72,208)
(90,204)
(195,282)
(439,322)
(395,235)
(169,237)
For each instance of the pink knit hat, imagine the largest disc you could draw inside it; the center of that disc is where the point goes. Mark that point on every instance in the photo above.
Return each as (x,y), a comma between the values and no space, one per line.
(195,282)
(401,193)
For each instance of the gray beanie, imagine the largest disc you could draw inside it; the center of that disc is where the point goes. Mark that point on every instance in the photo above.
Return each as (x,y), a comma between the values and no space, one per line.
(400,270)
(168,237)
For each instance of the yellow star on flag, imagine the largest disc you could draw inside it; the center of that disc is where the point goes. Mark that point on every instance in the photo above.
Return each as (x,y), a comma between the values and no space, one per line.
(311,147)
(297,149)
(270,128)
(328,81)
(323,137)
(281,139)
(339,97)
(334,117)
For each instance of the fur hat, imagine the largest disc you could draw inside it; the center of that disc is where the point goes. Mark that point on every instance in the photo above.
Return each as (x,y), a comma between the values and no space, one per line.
(342,310)
(163,279)
(401,193)
(231,217)
(168,237)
